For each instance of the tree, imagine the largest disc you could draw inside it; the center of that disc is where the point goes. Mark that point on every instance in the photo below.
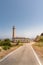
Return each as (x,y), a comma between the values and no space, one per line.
(41,34)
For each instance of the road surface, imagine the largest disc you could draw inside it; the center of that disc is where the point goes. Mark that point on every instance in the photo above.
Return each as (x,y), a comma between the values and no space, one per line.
(22,56)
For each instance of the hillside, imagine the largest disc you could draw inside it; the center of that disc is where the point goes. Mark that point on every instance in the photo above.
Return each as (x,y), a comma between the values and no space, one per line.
(39,38)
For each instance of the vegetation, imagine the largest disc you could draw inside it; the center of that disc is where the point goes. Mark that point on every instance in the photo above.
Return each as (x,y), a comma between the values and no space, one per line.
(39,44)
(5,42)
(6,47)
(19,43)
(39,40)
(41,34)
(0,50)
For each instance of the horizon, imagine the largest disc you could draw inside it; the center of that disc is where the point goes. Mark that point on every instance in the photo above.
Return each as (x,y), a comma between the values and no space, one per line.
(25,15)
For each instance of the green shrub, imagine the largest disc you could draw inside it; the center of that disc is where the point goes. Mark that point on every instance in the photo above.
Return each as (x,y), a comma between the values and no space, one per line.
(6,39)
(6,47)
(5,42)
(1,43)
(41,39)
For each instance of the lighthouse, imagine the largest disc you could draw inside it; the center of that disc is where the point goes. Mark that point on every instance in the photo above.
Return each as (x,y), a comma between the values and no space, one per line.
(16,39)
(14,33)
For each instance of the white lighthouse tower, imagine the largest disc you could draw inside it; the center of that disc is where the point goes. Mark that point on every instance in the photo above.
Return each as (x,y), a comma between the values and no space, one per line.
(14,33)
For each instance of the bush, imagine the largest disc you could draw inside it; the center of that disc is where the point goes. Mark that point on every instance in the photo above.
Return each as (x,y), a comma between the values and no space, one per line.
(1,43)
(41,39)
(5,42)
(6,47)
(8,40)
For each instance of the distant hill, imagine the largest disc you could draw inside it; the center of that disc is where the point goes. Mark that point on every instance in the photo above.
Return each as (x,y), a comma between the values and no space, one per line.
(39,38)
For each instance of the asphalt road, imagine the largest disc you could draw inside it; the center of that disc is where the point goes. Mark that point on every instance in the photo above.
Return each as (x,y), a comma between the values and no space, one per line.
(22,56)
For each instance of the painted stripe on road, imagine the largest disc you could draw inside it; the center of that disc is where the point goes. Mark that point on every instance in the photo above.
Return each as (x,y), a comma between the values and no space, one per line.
(10,54)
(36,56)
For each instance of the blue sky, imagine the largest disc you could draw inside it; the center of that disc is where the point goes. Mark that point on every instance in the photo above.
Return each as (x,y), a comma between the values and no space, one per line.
(26,15)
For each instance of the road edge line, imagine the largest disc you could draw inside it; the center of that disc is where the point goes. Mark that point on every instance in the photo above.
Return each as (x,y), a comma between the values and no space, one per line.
(9,54)
(36,56)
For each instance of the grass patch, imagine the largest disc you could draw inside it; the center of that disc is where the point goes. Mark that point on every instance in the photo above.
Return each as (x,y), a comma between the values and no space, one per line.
(0,50)
(38,47)
(6,47)
(20,44)
(39,44)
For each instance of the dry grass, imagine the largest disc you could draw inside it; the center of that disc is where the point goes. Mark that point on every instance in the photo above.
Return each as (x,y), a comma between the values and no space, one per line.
(38,48)
(5,52)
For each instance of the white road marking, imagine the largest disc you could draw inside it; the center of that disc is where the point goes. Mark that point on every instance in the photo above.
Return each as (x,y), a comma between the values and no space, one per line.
(17,50)
(36,56)
(10,54)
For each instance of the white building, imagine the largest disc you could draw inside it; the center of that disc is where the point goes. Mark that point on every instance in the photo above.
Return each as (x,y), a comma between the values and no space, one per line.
(21,39)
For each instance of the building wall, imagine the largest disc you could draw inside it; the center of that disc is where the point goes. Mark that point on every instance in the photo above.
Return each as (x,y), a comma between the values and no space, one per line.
(21,39)
(24,40)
